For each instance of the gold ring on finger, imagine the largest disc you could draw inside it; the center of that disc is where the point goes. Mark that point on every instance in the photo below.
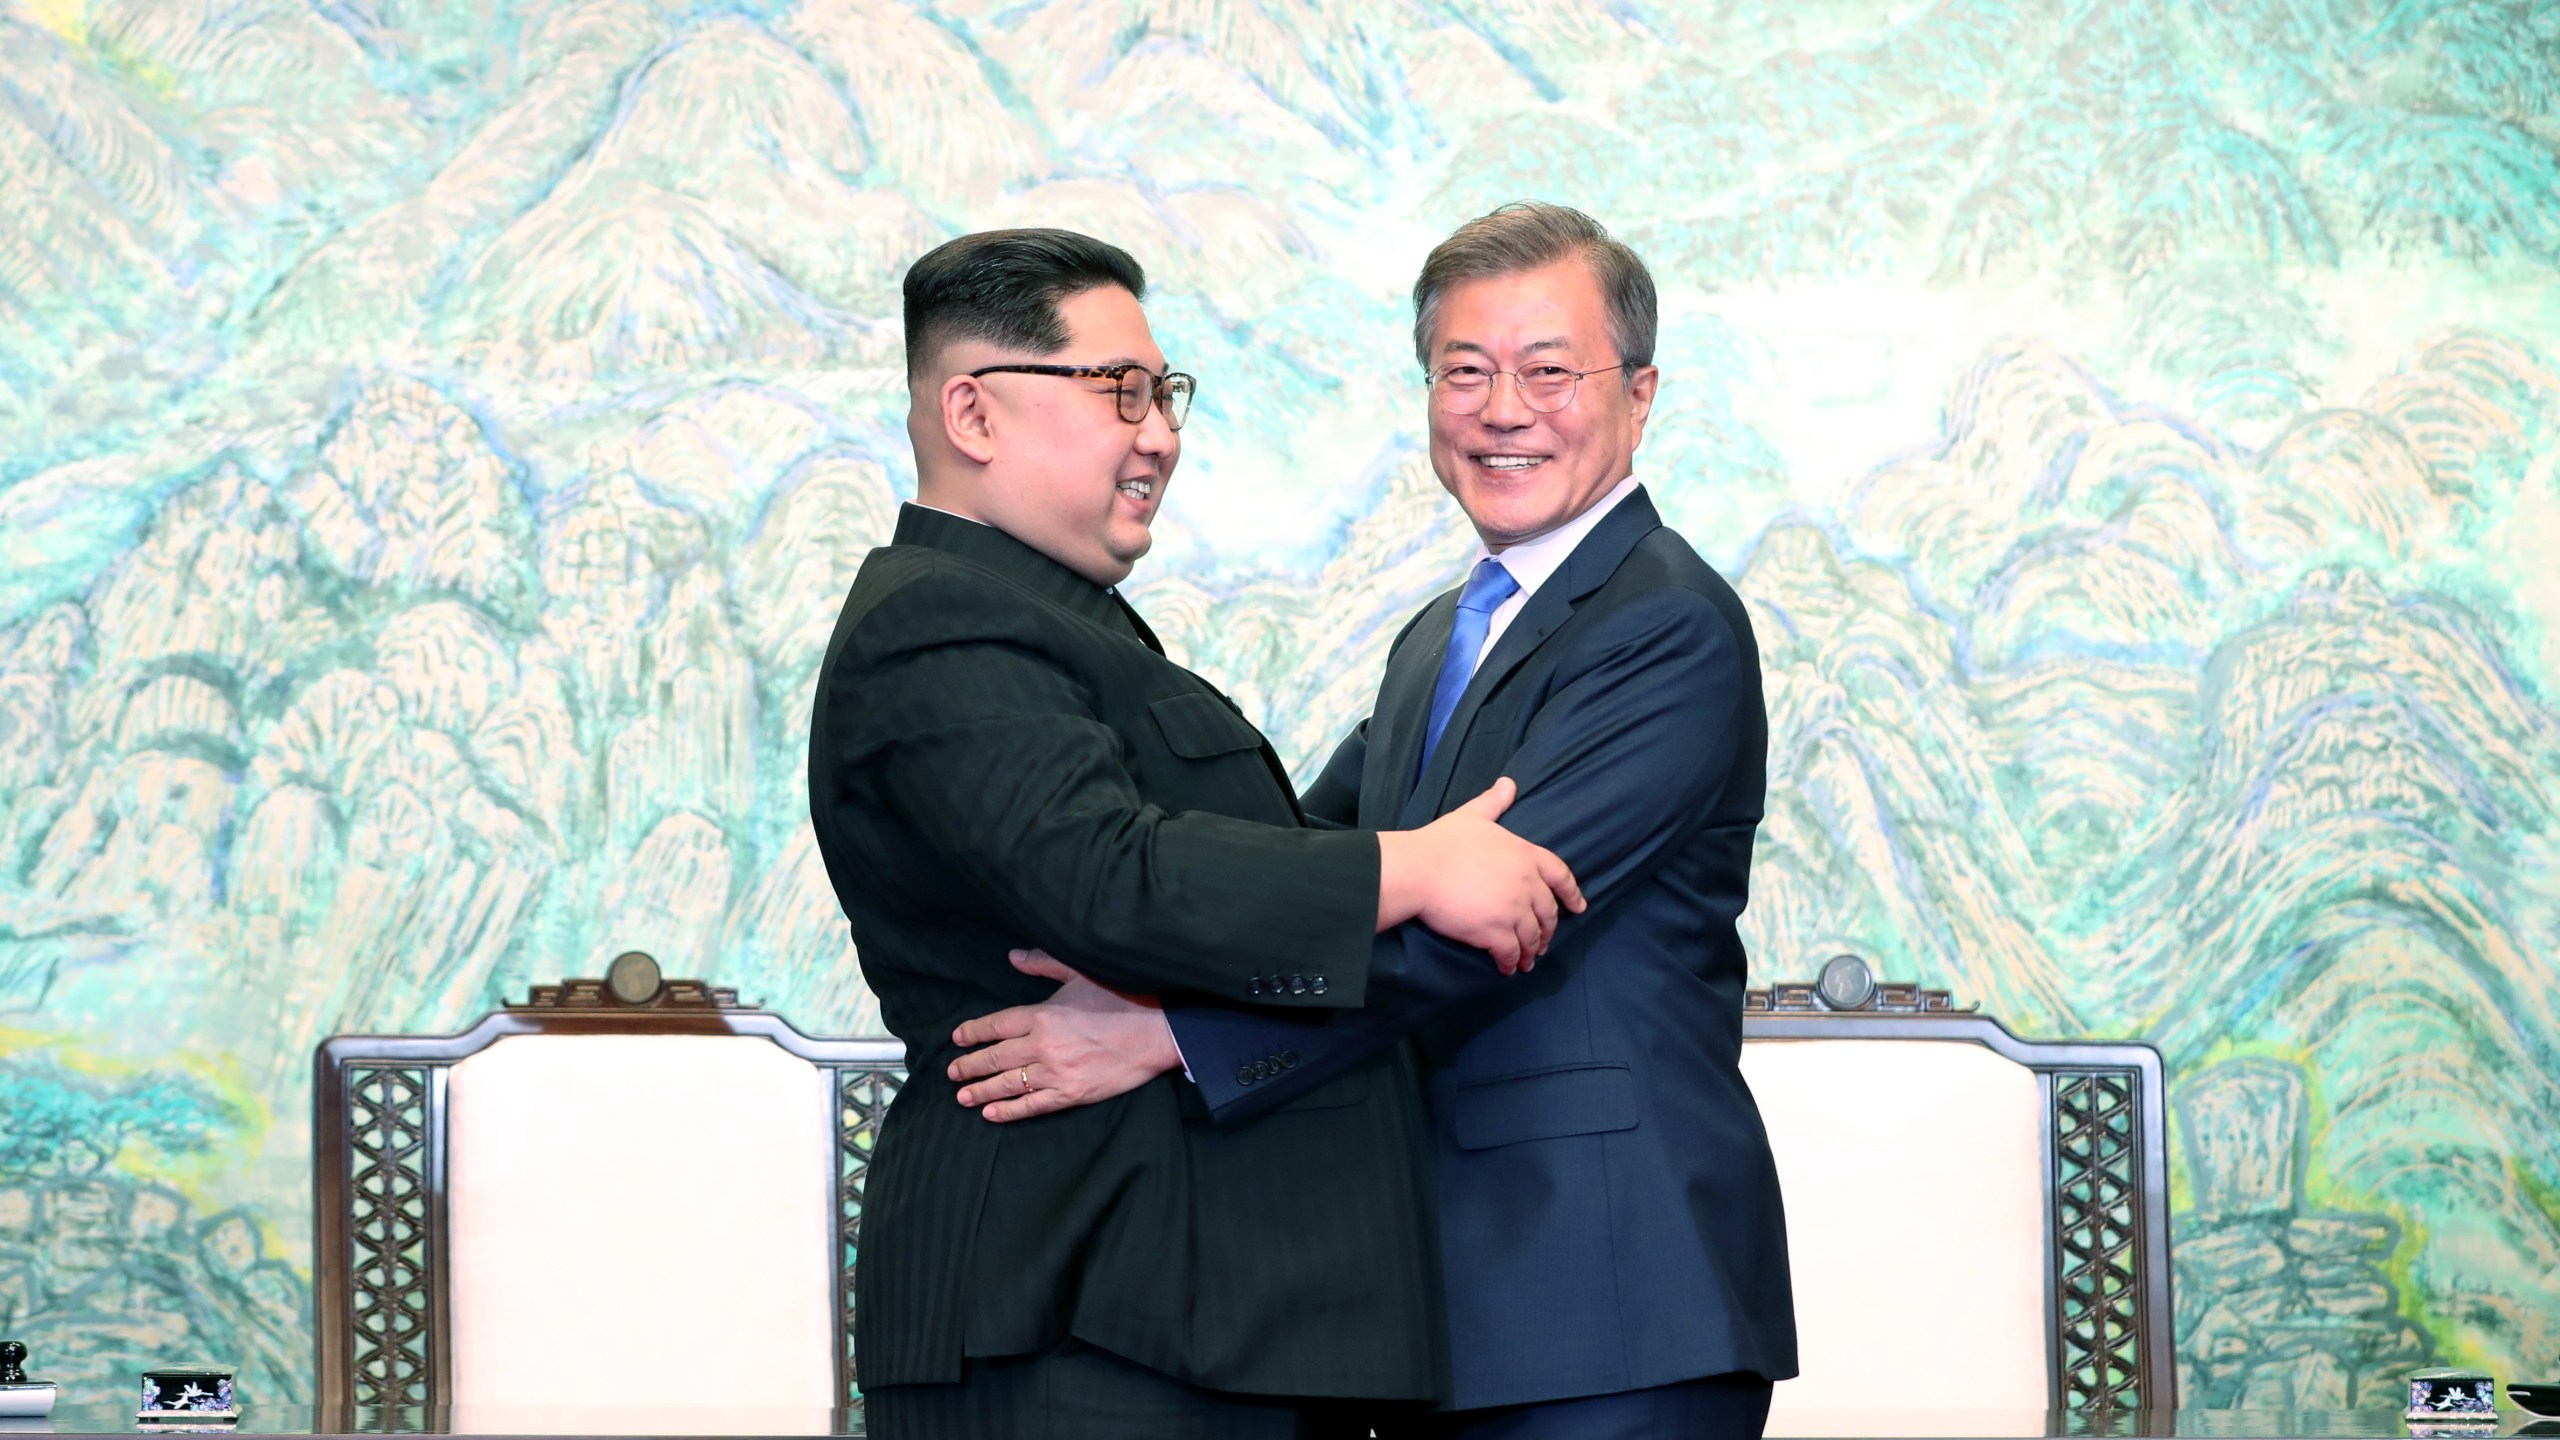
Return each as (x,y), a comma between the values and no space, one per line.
(1025,1077)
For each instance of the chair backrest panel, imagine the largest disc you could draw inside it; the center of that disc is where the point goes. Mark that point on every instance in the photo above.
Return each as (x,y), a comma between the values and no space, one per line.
(630,1212)
(754,1217)
(2097,1231)
(1914,1176)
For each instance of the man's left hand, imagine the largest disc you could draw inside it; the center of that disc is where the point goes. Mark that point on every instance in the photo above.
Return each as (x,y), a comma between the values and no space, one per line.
(1084,1043)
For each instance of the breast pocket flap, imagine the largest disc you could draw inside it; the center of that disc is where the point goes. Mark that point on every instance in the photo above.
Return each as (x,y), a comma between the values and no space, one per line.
(1198,725)
(1544,1105)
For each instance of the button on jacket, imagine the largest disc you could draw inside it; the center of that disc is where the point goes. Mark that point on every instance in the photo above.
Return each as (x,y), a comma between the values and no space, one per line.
(1001,756)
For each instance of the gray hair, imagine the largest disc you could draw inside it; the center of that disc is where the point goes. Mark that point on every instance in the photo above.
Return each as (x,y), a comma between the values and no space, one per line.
(1529,235)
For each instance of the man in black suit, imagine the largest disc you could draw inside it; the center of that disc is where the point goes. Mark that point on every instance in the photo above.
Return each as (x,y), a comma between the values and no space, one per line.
(1611,1233)
(998,748)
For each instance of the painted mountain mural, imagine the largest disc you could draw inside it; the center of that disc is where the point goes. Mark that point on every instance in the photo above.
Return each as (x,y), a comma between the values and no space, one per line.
(434,441)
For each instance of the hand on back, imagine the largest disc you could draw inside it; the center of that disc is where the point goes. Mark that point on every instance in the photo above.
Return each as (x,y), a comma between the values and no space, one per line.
(1084,1043)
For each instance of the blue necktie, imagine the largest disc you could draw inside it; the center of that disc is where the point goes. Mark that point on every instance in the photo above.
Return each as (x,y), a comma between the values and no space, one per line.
(1487,587)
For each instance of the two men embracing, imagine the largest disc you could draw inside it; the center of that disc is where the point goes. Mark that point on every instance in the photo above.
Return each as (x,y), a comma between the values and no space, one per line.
(1410,1104)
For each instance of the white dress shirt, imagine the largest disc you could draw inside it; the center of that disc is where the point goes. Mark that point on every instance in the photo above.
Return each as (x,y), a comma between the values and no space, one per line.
(1531,562)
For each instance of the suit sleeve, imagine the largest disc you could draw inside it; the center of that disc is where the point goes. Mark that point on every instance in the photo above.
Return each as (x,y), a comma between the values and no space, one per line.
(1625,756)
(995,758)
(1334,800)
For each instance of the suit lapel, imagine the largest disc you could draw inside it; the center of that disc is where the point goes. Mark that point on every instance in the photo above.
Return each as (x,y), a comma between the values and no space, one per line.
(1404,710)
(1587,569)
(1138,626)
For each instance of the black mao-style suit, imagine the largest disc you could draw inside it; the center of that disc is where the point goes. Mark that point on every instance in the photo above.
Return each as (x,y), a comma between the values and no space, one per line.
(1609,1208)
(1001,754)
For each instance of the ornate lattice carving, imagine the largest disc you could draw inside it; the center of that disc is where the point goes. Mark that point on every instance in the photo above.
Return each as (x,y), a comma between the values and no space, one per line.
(863,1094)
(392,1304)
(2098,1220)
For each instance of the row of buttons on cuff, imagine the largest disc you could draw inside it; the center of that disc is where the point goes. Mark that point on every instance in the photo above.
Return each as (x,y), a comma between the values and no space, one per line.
(1285,985)
(1253,1070)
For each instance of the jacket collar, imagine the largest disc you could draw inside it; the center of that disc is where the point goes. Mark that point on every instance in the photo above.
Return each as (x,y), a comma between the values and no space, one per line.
(1409,693)
(992,549)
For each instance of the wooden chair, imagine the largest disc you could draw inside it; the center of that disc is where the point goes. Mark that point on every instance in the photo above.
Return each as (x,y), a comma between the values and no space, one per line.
(621,1192)
(1974,1221)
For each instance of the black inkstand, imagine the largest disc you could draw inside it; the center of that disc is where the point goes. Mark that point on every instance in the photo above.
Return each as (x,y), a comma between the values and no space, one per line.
(20,1397)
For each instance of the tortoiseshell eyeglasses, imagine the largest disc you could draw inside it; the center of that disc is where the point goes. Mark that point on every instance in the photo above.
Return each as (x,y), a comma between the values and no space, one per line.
(1138,387)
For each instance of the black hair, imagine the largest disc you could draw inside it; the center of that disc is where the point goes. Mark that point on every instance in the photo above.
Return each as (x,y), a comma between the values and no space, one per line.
(1003,286)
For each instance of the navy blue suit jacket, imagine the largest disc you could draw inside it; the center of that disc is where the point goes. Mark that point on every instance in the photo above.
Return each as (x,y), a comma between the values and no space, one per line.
(1609,1212)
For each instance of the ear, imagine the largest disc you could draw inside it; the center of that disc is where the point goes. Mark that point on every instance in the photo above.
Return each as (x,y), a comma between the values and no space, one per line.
(968,418)
(1640,388)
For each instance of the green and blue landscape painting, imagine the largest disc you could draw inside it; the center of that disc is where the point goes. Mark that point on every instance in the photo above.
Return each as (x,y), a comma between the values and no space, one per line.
(436,435)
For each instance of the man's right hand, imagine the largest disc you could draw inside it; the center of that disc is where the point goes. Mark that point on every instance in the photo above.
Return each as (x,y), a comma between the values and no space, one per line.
(1477,883)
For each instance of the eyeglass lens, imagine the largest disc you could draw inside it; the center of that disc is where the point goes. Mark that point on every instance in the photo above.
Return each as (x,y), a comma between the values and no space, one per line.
(1138,389)
(1464,389)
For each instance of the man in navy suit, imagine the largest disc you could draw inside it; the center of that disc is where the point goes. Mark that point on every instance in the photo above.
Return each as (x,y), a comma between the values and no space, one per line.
(1613,1248)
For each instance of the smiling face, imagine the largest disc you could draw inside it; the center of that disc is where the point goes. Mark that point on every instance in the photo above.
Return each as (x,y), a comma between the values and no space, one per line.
(1050,461)
(1517,473)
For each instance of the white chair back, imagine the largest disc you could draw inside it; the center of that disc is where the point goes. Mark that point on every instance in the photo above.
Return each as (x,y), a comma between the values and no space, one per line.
(1978,1224)
(641,1220)
(1914,1179)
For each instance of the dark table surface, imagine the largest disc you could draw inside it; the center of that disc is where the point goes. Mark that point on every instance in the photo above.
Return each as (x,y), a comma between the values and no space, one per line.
(258,1418)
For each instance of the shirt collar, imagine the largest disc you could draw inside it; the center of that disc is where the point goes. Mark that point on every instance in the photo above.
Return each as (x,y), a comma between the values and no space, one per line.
(1531,562)
(954,514)
(986,546)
